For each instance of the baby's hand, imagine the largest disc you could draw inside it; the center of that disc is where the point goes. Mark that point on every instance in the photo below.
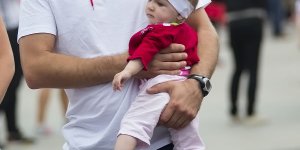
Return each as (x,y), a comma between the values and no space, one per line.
(119,79)
(117,85)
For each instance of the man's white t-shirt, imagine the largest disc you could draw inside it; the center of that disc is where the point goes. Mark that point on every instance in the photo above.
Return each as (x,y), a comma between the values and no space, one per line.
(9,10)
(94,113)
(297,7)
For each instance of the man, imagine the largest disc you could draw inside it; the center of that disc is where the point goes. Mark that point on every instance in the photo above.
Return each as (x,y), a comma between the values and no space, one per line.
(81,45)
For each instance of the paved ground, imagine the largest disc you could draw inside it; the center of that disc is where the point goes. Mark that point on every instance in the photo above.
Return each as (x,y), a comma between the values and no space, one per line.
(278,102)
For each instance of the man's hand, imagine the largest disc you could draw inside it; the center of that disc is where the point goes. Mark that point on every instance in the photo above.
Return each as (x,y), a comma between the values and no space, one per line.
(167,61)
(185,101)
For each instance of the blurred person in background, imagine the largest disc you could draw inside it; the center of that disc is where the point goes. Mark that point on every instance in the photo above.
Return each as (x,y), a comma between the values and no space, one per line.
(289,9)
(10,13)
(245,25)
(7,66)
(44,96)
(276,14)
(216,13)
(297,18)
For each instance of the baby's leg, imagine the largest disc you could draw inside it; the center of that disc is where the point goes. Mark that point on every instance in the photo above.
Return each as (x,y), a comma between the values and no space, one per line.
(142,117)
(144,112)
(187,138)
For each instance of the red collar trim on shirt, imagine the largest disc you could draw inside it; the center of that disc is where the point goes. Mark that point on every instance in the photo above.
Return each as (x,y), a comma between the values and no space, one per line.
(92,3)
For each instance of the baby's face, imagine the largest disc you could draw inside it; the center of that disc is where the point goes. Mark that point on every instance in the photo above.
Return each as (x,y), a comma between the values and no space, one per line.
(160,11)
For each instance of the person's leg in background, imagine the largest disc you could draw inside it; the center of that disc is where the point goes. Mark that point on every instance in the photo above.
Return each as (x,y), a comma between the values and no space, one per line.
(245,38)
(9,104)
(44,96)
(253,51)
(1,126)
(276,14)
(236,46)
(297,19)
(64,100)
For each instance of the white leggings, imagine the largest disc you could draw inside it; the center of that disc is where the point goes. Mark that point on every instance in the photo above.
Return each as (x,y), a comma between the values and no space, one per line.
(143,115)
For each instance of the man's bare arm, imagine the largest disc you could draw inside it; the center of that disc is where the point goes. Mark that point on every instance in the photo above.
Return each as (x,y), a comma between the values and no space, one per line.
(208,43)
(43,67)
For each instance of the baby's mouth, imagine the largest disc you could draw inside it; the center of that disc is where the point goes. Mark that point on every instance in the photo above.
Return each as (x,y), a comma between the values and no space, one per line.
(150,16)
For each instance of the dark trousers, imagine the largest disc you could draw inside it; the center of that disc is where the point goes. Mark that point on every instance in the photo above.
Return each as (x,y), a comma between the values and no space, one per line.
(167,147)
(276,14)
(245,39)
(9,103)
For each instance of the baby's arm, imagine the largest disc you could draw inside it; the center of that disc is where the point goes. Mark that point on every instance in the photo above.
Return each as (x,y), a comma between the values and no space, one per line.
(132,68)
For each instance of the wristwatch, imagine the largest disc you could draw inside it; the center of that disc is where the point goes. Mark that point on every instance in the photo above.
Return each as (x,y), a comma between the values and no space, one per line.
(204,83)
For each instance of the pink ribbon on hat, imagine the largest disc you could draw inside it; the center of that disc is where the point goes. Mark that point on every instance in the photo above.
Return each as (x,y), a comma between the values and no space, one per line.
(92,3)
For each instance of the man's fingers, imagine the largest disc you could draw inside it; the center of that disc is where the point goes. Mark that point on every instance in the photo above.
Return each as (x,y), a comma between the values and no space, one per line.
(171,66)
(173,48)
(166,115)
(181,122)
(178,120)
(168,61)
(171,57)
(169,72)
(158,88)
(184,124)
(172,122)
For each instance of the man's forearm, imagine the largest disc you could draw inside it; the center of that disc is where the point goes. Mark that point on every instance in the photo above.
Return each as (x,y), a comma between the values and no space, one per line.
(44,68)
(208,44)
(60,71)
(208,52)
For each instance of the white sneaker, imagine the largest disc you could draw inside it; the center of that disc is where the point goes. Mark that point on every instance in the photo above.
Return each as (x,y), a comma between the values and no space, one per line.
(44,130)
(235,119)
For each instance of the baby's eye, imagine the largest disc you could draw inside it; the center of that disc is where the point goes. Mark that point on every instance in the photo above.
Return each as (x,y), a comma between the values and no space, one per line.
(160,4)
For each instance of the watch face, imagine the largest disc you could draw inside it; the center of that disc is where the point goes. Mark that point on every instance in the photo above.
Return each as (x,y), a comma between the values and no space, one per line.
(207,84)
(204,83)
